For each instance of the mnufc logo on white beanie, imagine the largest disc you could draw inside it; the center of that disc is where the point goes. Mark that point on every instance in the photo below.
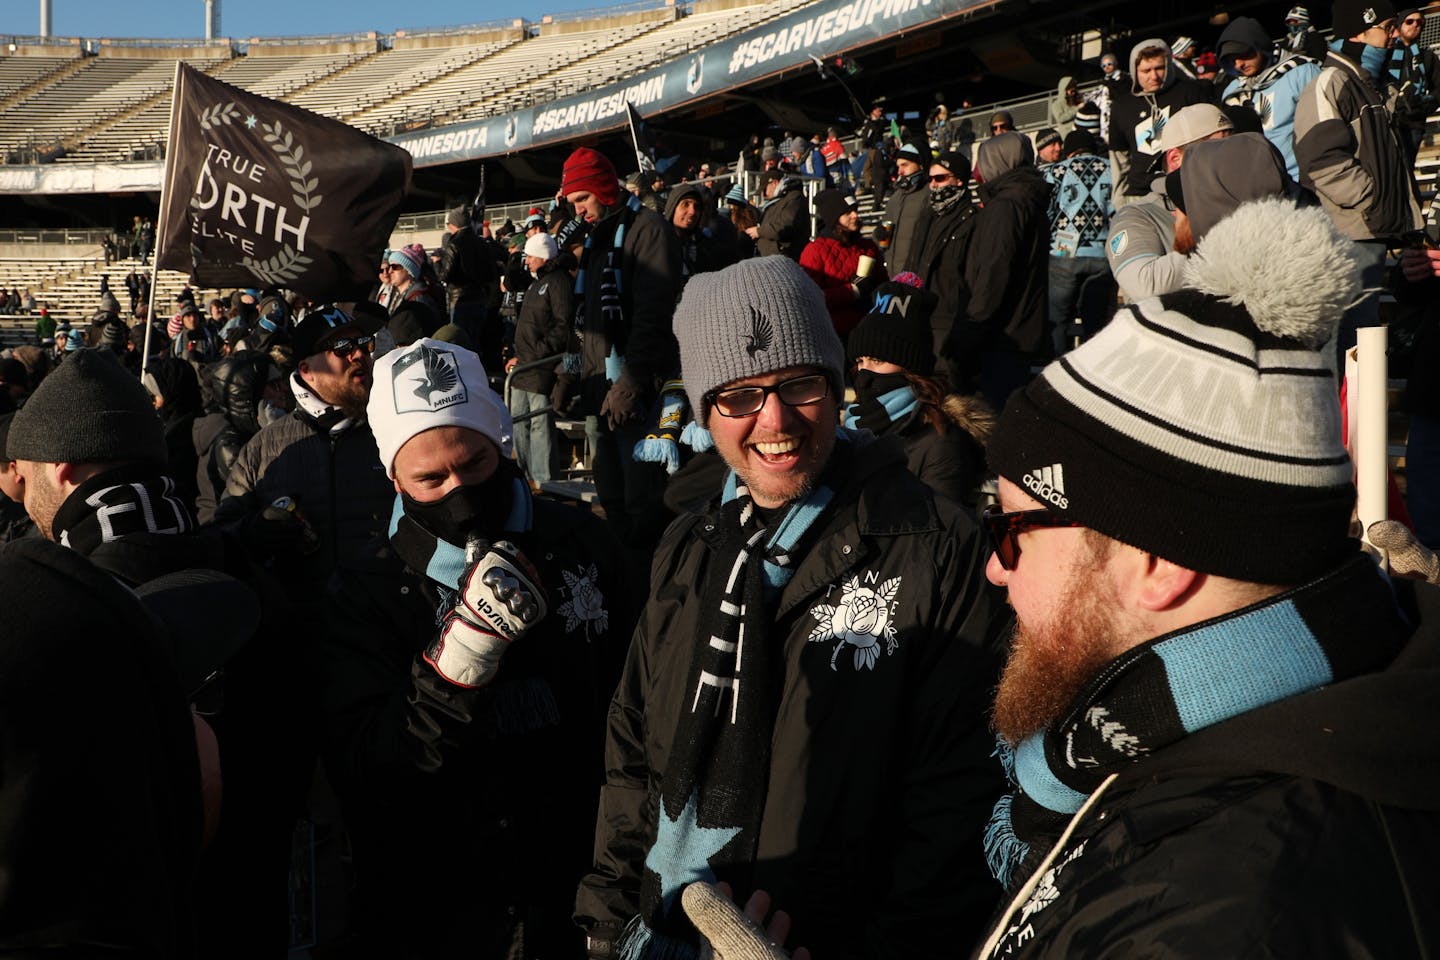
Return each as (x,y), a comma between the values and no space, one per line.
(431,384)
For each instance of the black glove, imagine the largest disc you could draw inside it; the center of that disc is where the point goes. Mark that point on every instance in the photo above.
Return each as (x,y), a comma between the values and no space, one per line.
(864,286)
(274,532)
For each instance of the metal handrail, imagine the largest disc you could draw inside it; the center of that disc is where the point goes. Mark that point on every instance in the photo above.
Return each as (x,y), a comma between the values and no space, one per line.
(521,368)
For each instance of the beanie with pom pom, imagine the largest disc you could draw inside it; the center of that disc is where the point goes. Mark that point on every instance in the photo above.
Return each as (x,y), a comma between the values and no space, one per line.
(1203,426)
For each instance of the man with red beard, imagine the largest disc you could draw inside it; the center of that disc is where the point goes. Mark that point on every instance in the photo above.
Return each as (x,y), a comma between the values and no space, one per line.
(305,492)
(1217,716)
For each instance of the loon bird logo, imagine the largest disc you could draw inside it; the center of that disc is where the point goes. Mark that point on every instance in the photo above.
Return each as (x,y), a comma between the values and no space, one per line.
(695,76)
(862,617)
(761,335)
(427,379)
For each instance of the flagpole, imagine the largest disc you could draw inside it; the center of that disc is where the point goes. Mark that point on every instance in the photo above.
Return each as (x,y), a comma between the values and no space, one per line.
(160,219)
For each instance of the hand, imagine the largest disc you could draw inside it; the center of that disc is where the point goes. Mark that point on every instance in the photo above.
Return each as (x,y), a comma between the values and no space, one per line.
(498,601)
(560,393)
(864,286)
(271,533)
(622,404)
(732,935)
(753,233)
(511,364)
(1418,265)
(1404,555)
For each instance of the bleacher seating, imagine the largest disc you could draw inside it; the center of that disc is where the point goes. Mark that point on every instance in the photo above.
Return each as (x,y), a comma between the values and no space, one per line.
(17,73)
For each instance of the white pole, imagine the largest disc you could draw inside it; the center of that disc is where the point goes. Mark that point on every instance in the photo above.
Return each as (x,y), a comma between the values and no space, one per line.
(1372,425)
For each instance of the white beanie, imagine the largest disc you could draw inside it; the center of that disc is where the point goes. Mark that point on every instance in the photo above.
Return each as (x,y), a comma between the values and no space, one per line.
(429,384)
(541,245)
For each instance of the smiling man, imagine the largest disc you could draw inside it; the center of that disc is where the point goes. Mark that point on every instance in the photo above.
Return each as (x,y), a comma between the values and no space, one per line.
(1212,700)
(802,710)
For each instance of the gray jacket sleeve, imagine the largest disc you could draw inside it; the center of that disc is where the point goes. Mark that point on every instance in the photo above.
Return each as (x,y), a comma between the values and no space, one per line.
(1141,257)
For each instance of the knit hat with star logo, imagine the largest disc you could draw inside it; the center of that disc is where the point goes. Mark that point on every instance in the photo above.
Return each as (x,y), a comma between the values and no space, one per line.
(758,316)
(430,384)
(1204,426)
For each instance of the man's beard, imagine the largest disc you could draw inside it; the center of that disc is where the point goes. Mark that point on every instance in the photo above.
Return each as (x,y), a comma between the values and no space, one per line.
(347,393)
(1050,663)
(43,500)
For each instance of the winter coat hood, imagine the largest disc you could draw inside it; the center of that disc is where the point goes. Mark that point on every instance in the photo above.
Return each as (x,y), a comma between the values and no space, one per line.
(680,192)
(1171,74)
(1243,33)
(1002,154)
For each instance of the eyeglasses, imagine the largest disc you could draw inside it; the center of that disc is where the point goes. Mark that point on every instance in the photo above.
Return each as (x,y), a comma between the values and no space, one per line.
(748,401)
(941,177)
(1414,22)
(345,346)
(1004,529)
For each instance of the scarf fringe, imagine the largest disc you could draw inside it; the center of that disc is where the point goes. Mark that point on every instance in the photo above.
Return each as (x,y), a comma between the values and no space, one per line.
(524,708)
(697,437)
(1004,851)
(639,942)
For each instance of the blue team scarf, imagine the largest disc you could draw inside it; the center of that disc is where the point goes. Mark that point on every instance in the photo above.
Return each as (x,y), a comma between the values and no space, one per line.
(1338,626)
(888,408)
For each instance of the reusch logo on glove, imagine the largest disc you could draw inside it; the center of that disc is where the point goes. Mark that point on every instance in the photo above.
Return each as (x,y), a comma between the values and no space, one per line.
(427,379)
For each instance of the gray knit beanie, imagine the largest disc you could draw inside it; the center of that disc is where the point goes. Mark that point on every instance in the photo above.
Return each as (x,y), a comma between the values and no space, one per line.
(90,410)
(756,317)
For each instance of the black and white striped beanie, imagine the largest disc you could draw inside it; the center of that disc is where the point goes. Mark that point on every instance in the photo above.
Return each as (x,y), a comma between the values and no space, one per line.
(1204,426)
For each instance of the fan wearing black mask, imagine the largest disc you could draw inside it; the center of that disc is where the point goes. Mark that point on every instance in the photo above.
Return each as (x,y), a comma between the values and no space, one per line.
(896,389)
(469,665)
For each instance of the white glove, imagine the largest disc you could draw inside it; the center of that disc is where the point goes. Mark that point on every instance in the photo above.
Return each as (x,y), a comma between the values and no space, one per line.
(731,935)
(498,601)
(1404,555)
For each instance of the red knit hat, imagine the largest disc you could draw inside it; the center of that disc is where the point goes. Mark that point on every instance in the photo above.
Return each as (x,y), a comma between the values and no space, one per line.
(591,171)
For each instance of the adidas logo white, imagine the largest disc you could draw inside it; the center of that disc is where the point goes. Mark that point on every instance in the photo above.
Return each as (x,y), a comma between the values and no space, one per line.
(1048,484)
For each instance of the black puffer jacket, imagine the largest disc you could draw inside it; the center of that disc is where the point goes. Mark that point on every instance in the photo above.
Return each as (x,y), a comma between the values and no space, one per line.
(544,326)
(880,779)
(1007,270)
(908,208)
(1307,828)
(337,480)
(470,810)
(232,389)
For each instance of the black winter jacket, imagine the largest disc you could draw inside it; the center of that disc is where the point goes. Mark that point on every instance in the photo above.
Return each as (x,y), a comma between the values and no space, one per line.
(232,389)
(942,267)
(1007,271)
(470,810)
(1307,828)
(543,328)
(909,211)
(785,224)
(880,779)
(950,463)
(465,267)
(338,481)
(650,285)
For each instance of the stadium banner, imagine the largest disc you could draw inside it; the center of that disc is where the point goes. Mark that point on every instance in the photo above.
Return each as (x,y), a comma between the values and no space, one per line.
(81,177)
(259,193)
(826,28)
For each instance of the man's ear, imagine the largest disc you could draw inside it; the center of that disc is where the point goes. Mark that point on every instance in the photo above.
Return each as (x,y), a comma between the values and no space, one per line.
(1163,584)
(64,475)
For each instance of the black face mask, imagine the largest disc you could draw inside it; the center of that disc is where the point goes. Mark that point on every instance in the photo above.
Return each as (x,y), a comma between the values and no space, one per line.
(871,386)
(477,507)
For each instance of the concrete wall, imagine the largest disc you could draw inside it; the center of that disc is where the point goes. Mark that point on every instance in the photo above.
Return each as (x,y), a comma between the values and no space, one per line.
(259,48)
(62,47)
(551,28)
(201,51)
(402,42)
(710,6)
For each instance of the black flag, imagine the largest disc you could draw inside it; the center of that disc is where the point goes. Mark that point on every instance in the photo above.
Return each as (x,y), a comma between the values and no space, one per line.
(260,193)
(644,146)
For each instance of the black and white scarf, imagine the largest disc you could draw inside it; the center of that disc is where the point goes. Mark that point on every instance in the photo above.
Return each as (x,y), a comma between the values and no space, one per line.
(612,313)
(136,498)
(330,418)
(712,790)
(1344,624)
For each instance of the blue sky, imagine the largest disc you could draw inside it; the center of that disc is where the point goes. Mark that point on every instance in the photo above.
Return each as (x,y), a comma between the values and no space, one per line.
(250,18)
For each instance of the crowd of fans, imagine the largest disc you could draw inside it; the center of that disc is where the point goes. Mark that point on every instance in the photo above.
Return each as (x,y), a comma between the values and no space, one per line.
(993,574)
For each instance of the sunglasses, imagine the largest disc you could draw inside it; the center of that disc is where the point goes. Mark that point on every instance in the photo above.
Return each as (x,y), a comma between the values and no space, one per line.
(1000,128)
(345,346)
(941,177)
(748,401)
(1004,529)
(1414,22)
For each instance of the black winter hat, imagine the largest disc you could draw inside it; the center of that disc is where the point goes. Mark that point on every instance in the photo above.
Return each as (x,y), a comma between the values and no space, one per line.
(897,329)
(90,410)
(1350,18)
(830,206)
(956,162)
(1078,141)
